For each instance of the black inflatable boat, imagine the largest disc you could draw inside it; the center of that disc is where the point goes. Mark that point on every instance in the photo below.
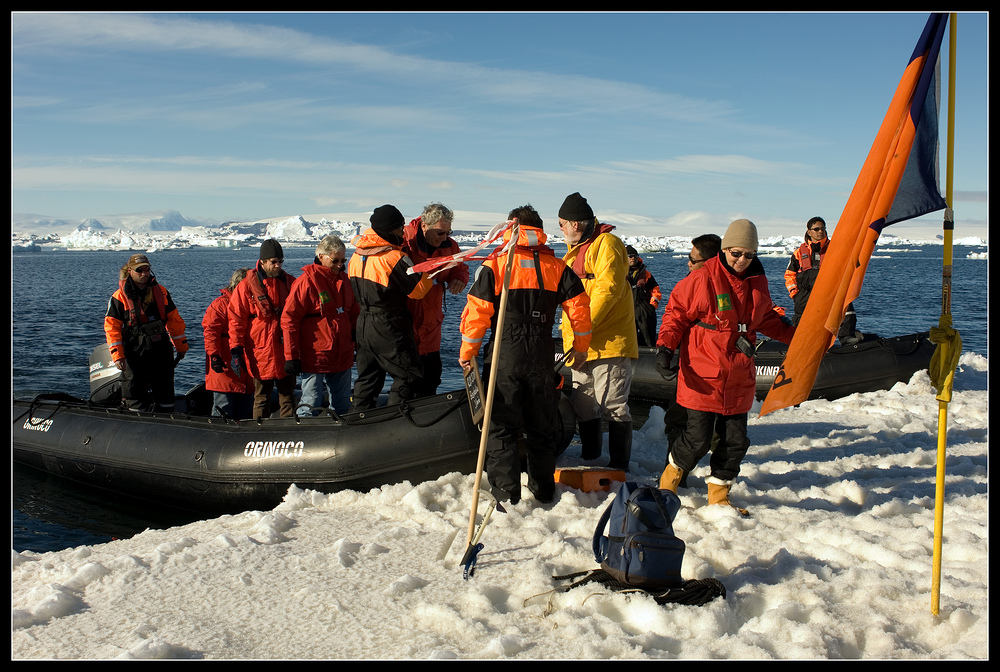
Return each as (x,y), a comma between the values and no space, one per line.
(194,461)
(873,364)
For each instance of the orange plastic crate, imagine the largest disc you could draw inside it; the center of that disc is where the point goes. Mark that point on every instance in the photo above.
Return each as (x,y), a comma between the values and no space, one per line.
(589,479)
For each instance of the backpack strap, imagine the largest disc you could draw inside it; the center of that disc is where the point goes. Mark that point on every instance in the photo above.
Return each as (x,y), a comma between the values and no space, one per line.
(601,541)
(661,504)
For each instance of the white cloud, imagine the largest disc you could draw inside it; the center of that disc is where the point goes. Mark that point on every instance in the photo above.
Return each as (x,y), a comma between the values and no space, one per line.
(569,94)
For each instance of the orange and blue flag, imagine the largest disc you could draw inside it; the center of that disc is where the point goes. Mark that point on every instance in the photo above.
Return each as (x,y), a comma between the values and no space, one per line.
(899,181)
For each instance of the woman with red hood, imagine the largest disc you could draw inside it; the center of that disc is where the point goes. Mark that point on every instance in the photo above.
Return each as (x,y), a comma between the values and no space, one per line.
(233,393)
(318,321)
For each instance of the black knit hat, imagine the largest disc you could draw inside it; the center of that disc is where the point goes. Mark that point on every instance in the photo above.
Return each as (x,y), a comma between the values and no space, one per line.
(271,249)
(575,209)
(386,219)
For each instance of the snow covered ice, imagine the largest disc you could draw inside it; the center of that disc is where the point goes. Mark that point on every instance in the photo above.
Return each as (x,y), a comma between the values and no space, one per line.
(835,561)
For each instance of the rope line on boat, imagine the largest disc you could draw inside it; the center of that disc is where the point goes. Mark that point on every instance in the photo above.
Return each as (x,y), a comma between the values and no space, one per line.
(405,411)
(62,401)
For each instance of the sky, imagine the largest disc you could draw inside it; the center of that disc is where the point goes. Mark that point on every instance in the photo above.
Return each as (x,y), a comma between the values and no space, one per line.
(668,123)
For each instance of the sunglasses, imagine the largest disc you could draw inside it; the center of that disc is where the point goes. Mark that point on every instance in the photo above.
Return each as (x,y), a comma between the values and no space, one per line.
(818,228)
(692,260)
(737,255)
(143,270)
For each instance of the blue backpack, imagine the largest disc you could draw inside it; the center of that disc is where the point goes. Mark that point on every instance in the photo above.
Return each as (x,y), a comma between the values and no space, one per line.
(640,548)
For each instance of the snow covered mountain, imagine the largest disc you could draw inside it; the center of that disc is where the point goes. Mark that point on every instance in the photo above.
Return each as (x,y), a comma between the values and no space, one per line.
(166,230)
(170,230)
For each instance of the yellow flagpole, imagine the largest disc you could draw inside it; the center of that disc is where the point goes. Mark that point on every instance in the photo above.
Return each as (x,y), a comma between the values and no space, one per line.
(946,273)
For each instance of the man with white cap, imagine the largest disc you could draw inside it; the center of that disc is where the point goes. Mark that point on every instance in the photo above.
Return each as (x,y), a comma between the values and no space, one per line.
(712,318)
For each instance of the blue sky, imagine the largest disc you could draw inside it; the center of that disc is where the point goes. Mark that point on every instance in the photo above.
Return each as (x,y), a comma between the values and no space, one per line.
(672,124)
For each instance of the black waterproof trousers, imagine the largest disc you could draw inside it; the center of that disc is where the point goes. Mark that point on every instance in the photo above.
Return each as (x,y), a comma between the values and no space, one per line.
(526,402)
(696,441)
(385,346)
(148,378)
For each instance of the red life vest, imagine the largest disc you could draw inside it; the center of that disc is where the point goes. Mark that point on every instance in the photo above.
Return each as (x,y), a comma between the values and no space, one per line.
(136,313)
(806,256)
(581,257)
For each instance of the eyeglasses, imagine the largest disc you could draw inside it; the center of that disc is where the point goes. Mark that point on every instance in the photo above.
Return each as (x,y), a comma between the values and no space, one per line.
(341,262)
(693,261)
(736,254)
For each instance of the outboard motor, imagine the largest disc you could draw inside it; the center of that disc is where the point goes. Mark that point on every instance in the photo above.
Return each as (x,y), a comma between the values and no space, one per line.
(105,378)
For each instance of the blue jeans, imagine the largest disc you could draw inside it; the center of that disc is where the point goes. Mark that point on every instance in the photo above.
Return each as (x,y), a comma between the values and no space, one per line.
(235,405)
(315,386)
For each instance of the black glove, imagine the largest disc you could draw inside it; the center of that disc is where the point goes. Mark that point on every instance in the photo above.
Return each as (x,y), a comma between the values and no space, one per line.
(665,364)
(217,364)
(293,367)
(236,363)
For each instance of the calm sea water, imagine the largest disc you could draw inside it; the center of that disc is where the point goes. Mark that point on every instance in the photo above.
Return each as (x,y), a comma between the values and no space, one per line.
(59,300)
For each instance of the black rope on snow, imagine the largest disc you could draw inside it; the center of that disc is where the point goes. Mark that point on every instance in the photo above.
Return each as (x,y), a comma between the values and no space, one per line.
(694,592)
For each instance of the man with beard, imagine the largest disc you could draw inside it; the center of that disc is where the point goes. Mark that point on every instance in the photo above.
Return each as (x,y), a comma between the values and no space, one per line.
(255,334)
(601,384)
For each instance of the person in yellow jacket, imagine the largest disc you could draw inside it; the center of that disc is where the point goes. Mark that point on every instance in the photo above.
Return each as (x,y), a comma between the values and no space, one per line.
(143,328)
(526,386)
(601,385)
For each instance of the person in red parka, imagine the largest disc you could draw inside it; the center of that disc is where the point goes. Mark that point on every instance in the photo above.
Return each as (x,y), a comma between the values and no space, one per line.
(232,393)
(255,330)
(318,320)
(713,317)
(429,236)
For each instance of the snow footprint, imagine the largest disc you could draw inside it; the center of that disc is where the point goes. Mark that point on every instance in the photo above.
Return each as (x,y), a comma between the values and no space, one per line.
(405,584)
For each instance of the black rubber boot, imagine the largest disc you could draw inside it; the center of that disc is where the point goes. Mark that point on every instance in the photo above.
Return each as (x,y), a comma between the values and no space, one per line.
(619,444)
(591,438)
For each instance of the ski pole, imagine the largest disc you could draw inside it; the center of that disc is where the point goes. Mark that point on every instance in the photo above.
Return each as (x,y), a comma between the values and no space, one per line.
(491,389)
